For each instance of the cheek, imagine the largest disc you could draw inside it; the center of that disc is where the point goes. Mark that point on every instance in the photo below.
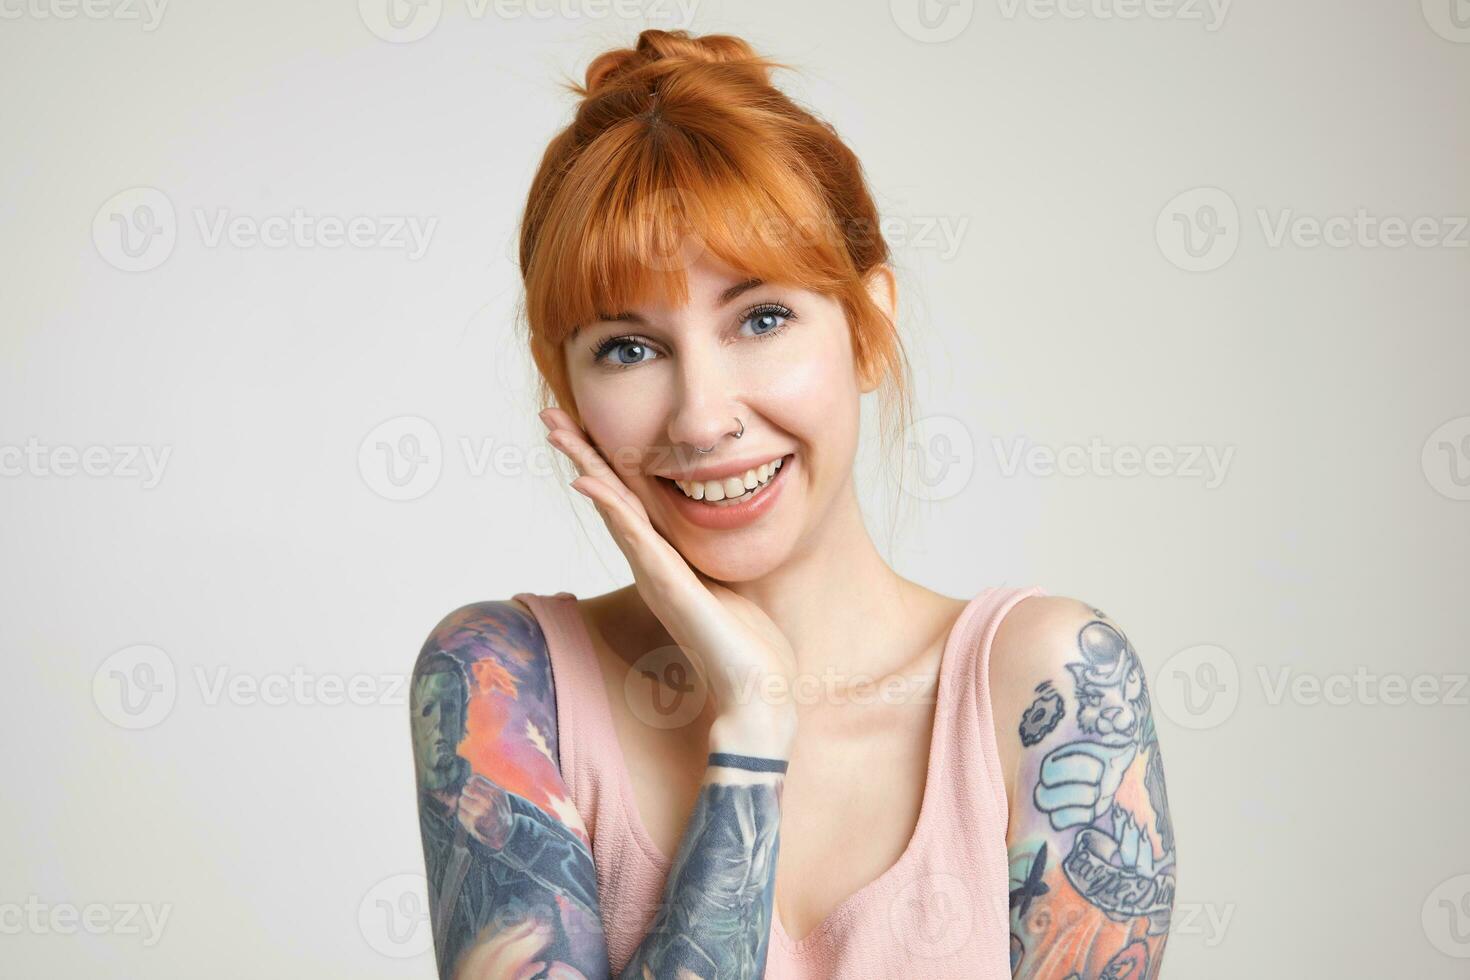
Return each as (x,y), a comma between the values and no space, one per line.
(808,386)
(621,419)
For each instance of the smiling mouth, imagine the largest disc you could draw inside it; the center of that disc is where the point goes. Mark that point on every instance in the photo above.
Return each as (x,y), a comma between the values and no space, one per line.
(732,491)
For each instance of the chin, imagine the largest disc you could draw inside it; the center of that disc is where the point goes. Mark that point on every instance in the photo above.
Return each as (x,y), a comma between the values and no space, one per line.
(731,556)
(733,568)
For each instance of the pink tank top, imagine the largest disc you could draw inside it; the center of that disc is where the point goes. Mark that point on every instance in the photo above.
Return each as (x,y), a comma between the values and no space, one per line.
(941,911)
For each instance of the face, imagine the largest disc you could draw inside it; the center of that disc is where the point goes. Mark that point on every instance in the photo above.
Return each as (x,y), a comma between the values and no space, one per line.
(438,722)
(656,382)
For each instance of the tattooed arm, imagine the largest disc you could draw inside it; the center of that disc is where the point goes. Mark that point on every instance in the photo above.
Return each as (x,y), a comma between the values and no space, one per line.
(512,888)
(1090,841)
(715,918)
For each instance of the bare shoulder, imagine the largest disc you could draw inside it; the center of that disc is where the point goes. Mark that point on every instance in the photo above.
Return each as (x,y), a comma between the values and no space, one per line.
(1042,631)
(500,631)
(1042,641)
(483,696)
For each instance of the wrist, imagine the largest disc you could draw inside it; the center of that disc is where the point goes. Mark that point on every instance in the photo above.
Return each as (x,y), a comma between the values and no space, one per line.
(767,733)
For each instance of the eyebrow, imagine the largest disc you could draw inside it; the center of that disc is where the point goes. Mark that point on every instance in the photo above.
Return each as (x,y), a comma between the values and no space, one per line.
(725,299)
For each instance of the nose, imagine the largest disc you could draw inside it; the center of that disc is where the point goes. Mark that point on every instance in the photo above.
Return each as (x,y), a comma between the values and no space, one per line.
(708,403)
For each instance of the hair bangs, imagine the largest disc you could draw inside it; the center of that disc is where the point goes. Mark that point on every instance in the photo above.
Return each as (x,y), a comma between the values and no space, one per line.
(644,208)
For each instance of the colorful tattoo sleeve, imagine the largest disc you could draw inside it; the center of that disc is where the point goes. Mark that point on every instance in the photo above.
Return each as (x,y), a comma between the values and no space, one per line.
(512,888)
(1090,842)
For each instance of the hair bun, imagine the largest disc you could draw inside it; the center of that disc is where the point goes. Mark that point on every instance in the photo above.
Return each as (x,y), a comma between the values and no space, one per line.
(668,49)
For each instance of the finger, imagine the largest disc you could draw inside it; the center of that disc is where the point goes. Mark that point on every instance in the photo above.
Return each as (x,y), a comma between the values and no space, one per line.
(558,418)
(572,440)
(652,558)
(629,529)
(589,462)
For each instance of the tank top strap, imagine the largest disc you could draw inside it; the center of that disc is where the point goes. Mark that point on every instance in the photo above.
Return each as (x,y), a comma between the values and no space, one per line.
(629,886)
(971,720)
(584,725)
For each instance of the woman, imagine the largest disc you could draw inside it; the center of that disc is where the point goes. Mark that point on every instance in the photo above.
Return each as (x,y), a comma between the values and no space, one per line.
(955,788)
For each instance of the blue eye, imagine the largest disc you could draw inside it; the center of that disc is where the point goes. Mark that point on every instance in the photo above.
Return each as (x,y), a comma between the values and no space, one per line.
(768,319)
(626,351)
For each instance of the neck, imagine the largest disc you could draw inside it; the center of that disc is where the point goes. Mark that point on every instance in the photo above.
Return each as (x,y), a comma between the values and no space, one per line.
(835,598)
(839,602)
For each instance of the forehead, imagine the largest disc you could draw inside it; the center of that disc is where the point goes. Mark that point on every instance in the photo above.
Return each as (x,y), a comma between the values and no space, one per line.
(705,280)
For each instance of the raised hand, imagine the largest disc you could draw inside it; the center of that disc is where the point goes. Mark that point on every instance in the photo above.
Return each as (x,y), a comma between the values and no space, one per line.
(729,640)
(718,898)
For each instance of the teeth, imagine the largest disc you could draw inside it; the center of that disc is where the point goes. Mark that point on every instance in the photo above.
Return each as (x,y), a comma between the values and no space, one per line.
(731,486)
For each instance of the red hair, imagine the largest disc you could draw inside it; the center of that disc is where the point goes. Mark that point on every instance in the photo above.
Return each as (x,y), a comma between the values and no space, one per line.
(682,144)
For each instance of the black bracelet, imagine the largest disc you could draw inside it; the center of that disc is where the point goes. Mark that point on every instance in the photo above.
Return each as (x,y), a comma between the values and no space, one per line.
(754,763)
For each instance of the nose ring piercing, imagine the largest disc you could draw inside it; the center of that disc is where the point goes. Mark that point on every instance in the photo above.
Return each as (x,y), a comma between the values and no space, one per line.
(737,436)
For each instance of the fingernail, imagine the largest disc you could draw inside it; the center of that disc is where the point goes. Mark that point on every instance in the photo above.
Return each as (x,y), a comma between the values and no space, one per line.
(542,416)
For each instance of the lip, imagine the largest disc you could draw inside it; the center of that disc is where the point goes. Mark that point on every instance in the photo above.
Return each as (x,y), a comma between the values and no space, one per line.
(736,515)
(721,471)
